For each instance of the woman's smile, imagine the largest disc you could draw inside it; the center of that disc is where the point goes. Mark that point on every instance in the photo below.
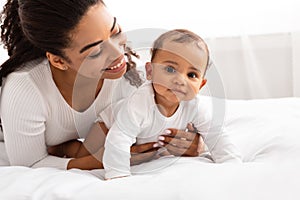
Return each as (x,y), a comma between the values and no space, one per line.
(116,67)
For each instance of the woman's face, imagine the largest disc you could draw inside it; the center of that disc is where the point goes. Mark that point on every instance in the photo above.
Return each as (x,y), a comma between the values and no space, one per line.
(97,46)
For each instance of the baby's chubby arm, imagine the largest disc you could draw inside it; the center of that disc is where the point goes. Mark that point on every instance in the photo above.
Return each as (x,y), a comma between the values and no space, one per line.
(210,124)
(221,147)
(116,157)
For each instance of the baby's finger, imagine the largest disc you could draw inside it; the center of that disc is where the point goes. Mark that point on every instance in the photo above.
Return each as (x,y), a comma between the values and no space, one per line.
(190,127)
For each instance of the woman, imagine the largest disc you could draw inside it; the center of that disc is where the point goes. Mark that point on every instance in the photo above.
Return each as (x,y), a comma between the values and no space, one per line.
(66,64)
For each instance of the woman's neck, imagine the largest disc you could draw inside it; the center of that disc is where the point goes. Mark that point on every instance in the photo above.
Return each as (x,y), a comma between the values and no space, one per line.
(78,91)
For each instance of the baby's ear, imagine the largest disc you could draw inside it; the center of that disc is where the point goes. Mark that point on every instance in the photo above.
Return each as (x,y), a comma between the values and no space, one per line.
(203,83)
(148,68)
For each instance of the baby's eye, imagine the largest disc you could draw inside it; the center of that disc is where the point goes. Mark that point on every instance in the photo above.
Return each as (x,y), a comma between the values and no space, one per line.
(192,75)
(170,69)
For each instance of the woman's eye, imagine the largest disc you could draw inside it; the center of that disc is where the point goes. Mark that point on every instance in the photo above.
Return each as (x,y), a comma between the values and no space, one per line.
(95,55)
(170,69)
(192,75)
(118,34)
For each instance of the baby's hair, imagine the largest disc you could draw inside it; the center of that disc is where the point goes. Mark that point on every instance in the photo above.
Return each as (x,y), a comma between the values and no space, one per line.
(180,36)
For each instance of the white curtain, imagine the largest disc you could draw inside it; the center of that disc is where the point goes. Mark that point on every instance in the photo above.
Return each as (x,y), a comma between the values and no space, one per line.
(261,66)
(296,63)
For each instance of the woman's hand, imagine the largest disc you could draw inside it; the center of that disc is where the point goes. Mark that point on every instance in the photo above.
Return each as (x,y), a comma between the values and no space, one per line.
(67,149)
(182,143)
(143,153)
(56,150)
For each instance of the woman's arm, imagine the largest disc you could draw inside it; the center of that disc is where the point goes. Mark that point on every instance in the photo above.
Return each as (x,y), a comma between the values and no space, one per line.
(88,155)
(23,117)
(139,154)
(77,149)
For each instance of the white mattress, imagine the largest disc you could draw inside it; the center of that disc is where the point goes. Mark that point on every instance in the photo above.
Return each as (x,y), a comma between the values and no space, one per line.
(266,131)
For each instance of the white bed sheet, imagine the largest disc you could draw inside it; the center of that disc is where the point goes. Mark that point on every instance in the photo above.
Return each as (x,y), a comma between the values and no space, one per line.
(266,131)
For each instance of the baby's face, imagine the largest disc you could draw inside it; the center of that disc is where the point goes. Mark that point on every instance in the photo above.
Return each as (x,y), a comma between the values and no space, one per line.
(177,71)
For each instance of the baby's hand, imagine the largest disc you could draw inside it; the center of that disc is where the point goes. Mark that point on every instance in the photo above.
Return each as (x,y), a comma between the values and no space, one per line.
(182,142)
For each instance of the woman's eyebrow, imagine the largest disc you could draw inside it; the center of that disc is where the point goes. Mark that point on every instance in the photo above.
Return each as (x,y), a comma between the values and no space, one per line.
(100,41)
(89,46)
(114,24)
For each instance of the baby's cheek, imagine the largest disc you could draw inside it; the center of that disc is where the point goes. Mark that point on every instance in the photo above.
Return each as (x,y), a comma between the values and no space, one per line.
(194,88)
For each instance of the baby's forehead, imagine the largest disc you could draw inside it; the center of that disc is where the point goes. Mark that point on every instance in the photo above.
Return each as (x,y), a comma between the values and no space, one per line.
(188,51)
(171,43)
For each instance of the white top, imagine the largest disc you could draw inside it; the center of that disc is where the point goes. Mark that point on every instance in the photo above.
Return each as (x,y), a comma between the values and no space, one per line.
(35,115)
(137,119)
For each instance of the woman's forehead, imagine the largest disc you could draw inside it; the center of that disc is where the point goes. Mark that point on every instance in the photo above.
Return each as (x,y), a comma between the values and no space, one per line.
(94,26)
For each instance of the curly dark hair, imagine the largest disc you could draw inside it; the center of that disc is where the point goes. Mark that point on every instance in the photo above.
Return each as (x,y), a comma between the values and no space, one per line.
(30,28)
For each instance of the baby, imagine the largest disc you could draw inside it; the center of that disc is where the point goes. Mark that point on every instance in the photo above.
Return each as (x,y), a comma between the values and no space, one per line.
(169,98)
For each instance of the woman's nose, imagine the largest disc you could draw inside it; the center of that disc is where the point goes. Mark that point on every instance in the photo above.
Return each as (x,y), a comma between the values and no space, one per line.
(114,49)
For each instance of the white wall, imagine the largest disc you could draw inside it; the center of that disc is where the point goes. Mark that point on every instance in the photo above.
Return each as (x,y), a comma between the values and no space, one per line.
(247,66)
(210,18)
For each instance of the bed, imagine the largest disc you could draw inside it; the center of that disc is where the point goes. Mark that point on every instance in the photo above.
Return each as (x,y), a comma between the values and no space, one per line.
(262,98)
(266,131)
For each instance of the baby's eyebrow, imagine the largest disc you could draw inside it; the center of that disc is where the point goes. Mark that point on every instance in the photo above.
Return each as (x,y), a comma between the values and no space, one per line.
(171,62)
(195,68)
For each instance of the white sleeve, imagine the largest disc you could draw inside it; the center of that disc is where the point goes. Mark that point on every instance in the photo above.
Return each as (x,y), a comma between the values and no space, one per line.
(210,126)
(121,136)
(220,146)
(23,116)
(122,91)
(116,157)
(109,114)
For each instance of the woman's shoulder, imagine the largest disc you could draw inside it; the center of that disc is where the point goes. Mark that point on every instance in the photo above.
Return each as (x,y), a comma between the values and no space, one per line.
(36,69)
(33,76)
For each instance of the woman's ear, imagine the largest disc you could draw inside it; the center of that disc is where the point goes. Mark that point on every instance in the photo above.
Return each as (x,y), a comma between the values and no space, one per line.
(148,68)
(57,61)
